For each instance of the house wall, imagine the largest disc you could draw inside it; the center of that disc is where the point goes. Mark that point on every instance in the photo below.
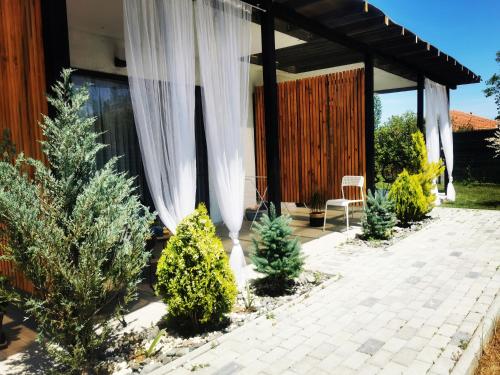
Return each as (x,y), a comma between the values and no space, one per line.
(22,74)
(22,84)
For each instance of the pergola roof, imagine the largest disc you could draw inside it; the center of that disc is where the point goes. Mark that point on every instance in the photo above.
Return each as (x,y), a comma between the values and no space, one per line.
(340,32)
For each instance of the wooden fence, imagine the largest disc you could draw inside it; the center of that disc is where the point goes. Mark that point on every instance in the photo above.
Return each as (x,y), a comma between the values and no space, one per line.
(322,134)
(22,81)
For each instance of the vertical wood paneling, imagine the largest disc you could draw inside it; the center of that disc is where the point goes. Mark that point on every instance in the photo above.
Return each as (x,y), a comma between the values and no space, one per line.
(322,134)
(22,84)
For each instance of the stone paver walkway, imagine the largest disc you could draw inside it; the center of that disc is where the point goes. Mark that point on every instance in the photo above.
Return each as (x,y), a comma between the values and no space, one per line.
(410,309)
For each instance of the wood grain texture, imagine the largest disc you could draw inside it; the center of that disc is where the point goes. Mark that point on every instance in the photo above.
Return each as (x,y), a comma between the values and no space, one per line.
(322,136)
(22,85)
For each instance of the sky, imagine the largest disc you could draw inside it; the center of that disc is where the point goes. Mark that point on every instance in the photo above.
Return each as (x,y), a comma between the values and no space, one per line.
(467,30)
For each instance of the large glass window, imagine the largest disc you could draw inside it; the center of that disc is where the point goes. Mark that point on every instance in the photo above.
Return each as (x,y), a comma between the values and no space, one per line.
(111,106)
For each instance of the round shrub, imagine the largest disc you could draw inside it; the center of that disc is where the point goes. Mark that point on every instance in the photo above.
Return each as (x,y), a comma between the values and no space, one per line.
(194,277)
(408,197)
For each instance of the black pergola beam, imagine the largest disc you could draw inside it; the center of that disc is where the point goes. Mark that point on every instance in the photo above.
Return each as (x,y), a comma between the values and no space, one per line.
(271,106)
(311,25)
(55,41)
(420,103)
(369,123)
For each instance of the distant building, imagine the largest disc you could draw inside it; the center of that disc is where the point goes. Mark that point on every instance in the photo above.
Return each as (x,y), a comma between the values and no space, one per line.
(464,122)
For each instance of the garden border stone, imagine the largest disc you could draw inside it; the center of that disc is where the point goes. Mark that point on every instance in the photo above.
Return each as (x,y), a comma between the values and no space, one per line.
(469,359)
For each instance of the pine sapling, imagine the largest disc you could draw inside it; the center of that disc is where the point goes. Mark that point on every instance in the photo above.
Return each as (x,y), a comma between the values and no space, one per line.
(275,253)
(379,216)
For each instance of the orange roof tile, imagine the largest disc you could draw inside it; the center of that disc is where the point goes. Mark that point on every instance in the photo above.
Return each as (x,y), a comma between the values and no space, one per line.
(463,121)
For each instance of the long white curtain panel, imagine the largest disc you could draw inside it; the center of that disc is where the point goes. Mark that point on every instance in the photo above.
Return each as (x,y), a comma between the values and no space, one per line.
(160,54)
(224,45)
(437,123)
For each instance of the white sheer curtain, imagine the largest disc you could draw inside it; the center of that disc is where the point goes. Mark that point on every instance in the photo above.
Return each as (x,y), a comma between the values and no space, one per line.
(437,122)
(160,54)
(224,45)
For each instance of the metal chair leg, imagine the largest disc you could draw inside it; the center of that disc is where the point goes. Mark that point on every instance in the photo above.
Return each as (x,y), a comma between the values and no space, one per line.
(324,219)
(347,216)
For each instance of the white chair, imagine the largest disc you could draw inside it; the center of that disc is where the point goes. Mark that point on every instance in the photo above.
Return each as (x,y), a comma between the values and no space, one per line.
(356,181)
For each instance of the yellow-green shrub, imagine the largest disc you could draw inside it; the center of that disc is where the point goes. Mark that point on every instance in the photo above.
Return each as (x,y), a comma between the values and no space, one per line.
(408,197)
(194,277)
(428,172)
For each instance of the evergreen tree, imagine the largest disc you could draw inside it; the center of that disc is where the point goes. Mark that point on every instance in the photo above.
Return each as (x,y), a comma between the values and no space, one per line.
(194,276)
(77,233)
(275,253)
(379,216)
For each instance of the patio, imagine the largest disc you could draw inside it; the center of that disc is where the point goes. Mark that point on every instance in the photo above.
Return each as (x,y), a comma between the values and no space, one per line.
(300,224)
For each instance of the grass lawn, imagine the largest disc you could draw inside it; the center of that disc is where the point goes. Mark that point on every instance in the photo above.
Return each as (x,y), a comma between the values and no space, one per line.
(476,195)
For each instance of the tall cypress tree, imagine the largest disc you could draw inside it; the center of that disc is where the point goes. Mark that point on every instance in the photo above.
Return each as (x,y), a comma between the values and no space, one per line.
(77,233)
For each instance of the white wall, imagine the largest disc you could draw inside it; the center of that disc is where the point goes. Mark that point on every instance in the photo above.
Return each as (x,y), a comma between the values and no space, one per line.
(94,52)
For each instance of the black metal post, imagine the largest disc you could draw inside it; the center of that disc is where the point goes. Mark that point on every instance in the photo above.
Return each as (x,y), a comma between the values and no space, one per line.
(369,124)
(446,179)
(55,40)
(271,106)
(420,103)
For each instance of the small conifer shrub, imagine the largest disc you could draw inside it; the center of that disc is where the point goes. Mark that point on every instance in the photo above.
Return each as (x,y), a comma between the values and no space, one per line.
(427,171)
(410,202)
(274,252)
(77,233)
(194,276)
(379,216)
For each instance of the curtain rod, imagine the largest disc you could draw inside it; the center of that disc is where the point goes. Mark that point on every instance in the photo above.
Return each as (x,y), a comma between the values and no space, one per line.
(257,7)
(254,6)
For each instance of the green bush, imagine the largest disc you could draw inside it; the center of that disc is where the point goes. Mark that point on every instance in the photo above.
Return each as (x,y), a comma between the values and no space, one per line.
(77,233)
(410,202)
(274,252)
(394,147)
(194,277)
(379,216)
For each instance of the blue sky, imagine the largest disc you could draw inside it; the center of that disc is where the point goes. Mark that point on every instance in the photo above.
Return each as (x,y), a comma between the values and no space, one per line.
(465,29)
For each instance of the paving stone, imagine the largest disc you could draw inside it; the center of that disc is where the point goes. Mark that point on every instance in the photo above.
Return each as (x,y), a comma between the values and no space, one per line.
(405,356)
(473,275)
(370,301)
(460,338)
(413,280)
(433,303)
(418,264)
(371,346)
(394,345)
(439,341)
(356,360)
(406,333)
(418,368)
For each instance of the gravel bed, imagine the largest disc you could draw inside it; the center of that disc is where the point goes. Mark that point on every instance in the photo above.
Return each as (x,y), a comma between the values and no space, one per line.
(399,233)
(127,355)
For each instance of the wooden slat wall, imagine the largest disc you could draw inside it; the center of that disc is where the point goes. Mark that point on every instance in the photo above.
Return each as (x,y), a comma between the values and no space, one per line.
(22,85)
(322,134)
